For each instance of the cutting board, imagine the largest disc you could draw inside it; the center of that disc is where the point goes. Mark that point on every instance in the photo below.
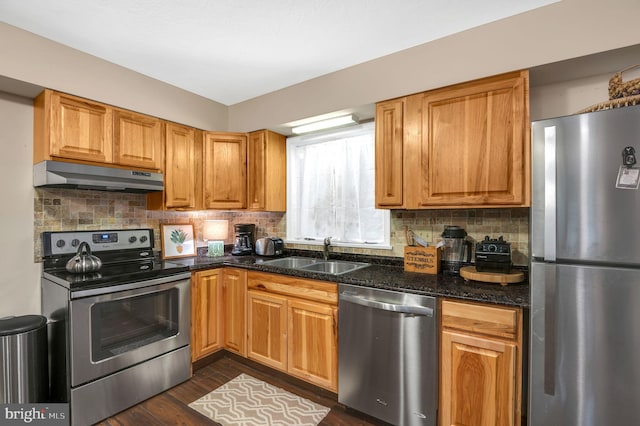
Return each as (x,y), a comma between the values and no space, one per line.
(470,273)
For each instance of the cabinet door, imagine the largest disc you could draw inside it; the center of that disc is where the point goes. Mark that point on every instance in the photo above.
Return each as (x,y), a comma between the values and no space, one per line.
(266,171)
(80,129)
(137,140)
(180,168)
(312,343)
(475,144)
(478,385)
(225,170)
(234,294)
(267,329)
(206,308)
(389,153)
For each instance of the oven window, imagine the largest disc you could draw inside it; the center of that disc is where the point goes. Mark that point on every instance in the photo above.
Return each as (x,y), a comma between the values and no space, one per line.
(124,325)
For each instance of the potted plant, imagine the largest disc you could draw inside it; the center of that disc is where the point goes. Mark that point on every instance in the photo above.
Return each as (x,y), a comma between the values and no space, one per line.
(178,237)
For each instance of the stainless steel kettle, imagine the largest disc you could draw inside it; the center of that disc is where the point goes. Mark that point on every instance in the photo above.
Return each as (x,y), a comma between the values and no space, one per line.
(83,261)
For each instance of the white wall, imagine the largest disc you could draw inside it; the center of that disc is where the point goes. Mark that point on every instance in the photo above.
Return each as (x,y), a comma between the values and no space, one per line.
(568,97)
(32,59)
(567,29)
(20,277)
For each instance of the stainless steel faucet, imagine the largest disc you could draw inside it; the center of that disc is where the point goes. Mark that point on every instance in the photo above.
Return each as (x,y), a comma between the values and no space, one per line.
(325,249)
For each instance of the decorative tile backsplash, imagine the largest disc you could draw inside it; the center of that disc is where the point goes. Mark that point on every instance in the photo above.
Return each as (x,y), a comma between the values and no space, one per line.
(75,209)
(71,209)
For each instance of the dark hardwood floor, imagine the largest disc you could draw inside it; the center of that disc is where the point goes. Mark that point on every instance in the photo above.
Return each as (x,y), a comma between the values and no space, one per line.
(171,407)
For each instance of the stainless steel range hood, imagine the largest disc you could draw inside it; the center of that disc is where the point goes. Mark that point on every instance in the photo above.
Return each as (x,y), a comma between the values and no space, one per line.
(58,174)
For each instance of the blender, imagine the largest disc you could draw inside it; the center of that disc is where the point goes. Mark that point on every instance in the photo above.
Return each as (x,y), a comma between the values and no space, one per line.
(456,250)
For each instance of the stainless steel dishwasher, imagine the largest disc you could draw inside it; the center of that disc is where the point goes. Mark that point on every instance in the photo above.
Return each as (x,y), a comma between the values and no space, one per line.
(388,354)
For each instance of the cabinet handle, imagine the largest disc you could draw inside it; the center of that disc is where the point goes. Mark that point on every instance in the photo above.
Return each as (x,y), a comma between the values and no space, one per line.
(550,194)
(550,329)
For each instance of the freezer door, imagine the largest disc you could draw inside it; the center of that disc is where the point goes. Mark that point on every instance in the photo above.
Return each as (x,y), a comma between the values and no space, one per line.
(577,211)
(585,342)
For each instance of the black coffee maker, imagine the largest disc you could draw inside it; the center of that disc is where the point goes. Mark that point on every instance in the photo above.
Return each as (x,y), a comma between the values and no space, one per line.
(245,239)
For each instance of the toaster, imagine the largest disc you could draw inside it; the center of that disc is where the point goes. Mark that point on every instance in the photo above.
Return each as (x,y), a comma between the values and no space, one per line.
(269,246)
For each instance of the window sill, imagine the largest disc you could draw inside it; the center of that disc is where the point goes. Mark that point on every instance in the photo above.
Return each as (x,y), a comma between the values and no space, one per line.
(320,243)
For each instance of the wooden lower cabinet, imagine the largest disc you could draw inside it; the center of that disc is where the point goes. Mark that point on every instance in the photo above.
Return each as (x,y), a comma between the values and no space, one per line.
(267,329)
(480,365)
(313,345)
(206,318)
(234,300)
(292,326)
(478,377)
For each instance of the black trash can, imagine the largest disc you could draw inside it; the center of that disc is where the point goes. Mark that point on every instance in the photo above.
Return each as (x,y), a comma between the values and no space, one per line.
(24,373)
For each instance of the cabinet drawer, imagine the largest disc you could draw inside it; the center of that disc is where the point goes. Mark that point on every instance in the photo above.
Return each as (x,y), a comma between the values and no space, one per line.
(319,291)
(481,319)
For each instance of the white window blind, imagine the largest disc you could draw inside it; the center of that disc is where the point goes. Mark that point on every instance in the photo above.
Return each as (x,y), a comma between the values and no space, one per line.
(330,189)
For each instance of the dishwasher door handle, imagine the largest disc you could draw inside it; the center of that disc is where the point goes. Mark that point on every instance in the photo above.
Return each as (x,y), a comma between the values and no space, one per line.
(402,309)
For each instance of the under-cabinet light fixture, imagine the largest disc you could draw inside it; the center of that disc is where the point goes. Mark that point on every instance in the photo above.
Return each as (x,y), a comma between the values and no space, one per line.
(325,124)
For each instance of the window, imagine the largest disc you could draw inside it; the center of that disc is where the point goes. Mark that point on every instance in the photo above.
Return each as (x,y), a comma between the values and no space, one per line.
(331,189)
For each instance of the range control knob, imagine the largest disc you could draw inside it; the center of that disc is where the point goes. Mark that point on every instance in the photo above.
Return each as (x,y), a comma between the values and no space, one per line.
(75,242)
(60,243)
(143,239)
(132,239)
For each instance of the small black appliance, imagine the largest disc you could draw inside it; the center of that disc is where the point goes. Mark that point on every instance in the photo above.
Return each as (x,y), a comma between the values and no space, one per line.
(493,255)
(245,239)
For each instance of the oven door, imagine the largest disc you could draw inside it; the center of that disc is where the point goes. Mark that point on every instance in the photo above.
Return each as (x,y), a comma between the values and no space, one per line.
(113,331)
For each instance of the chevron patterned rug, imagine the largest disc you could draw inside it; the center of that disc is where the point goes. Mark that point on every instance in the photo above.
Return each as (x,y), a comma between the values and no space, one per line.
(247,401)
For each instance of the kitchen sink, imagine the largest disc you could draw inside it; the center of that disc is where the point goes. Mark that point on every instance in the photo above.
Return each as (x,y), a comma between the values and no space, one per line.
(332,267)
(290,262)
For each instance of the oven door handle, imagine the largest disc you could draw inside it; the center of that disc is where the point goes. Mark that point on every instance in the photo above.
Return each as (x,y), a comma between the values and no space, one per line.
(392,307)
(129,286)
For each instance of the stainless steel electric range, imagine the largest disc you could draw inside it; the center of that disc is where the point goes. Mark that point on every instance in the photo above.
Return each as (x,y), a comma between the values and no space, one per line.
(117,335)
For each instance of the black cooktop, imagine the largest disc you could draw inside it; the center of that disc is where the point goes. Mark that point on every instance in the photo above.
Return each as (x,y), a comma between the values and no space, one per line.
(127,256)
(115,273)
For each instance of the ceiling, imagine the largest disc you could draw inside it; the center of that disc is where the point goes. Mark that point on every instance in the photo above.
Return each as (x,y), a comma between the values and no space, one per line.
(231,51)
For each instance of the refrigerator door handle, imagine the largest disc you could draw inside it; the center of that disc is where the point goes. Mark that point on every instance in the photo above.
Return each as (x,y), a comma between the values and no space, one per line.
(550,295)
(550,193)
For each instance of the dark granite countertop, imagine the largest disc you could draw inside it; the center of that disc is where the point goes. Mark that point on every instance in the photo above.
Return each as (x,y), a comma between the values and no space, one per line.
(384,273)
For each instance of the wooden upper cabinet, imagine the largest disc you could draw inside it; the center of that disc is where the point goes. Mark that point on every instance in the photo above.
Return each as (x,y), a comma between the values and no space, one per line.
(68,127)
(461,146)
(181,145)
(225,170)
(474,149)
(137,140)
(266,171)
(389,153)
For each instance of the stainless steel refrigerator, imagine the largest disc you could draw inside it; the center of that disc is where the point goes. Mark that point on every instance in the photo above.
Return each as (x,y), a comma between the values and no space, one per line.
(585,270)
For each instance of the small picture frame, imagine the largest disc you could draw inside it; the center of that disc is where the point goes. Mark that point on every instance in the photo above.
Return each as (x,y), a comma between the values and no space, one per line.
(177,240)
